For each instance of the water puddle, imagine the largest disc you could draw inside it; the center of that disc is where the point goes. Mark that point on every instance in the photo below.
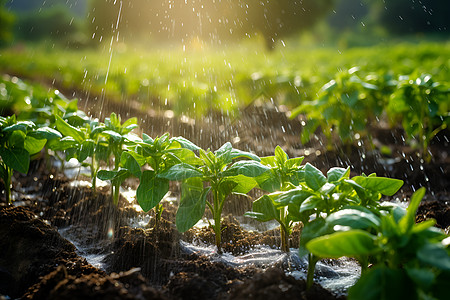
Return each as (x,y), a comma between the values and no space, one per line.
(335,275)
(91,252)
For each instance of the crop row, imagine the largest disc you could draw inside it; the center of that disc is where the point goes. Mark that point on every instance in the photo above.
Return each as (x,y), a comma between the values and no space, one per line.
(406,85)
(341,215)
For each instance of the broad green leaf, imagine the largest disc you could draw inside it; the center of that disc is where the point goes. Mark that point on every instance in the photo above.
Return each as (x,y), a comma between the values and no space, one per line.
(382,283)
(117,137)
(17,139)
(249,168)
(16,158)
(106,174)
(180,172)
(224,152)
(151,190)
(186,156)
(352,243)
(434,255)
(130,122)
(185,143)
(192,203)
(407,222)
(243,184)
(296,196)
(269,161)
(314,179)
(423,278)
(383,185)
(236,153)
(45,133)
(312,230)
(354,218)
(280,156)
(147,139)
(312,202)
(294,162)
(19,126)
(68,130)
(265,209)
(63,144)
(127,161)
(33,145)
(120,177)
(335,174)
(269,181)
(86,150)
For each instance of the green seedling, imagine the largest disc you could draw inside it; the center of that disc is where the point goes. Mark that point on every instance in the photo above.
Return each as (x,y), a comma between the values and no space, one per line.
(283,175)
(422,105)
(345,105)
(82,143)
(160,154)
(19,140)
(319,196)
(224,176)
(408,259)
(118,136)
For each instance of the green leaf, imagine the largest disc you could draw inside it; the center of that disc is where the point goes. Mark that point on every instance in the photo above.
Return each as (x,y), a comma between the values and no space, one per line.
(335,174)
(127,161)
(354,218)
(180,172)
(45,133)
(383,185)
(86,150)
(151,190)
(186,156)
(63,144)
(117,137)
(68,130)
(106,174)
(249,168)
(314,179)
(312,202)
(265,210)
(33,145)
(269,181)
(280,156)
(296,196)
(312,230)
(407,222)
(192,204)
(294,162)
(16,158)
(185,143)
(236,153)
(17,139)
(352,243)
(242,184)
(434,255)
(382,283)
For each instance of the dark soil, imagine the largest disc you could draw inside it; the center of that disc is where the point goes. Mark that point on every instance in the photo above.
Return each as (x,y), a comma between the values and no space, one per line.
(144,263)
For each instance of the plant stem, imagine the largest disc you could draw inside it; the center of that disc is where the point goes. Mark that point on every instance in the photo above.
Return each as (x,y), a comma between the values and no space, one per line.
(284,232)
(9,173)
(312,261)
(217,226)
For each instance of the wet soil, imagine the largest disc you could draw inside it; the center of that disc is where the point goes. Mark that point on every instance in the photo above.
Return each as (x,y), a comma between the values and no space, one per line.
(144,263)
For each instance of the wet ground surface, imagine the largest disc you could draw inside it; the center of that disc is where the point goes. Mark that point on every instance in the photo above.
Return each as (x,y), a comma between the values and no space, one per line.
(139,262)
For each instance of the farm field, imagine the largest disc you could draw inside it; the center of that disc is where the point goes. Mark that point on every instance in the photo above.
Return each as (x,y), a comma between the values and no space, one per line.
(199,171)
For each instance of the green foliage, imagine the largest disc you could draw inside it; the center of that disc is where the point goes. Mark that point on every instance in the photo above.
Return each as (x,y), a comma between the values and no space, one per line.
(423,106)
(224,175)
(406,256)
(18,141)
(345,105)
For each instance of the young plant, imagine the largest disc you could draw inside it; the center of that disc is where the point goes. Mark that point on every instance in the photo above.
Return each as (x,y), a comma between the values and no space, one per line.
(283,175)
(160,154)
(117,136)
(19,140)
(82,143)
(345,105)
(409,260)
(318,196)
(422,105)
(224,176)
